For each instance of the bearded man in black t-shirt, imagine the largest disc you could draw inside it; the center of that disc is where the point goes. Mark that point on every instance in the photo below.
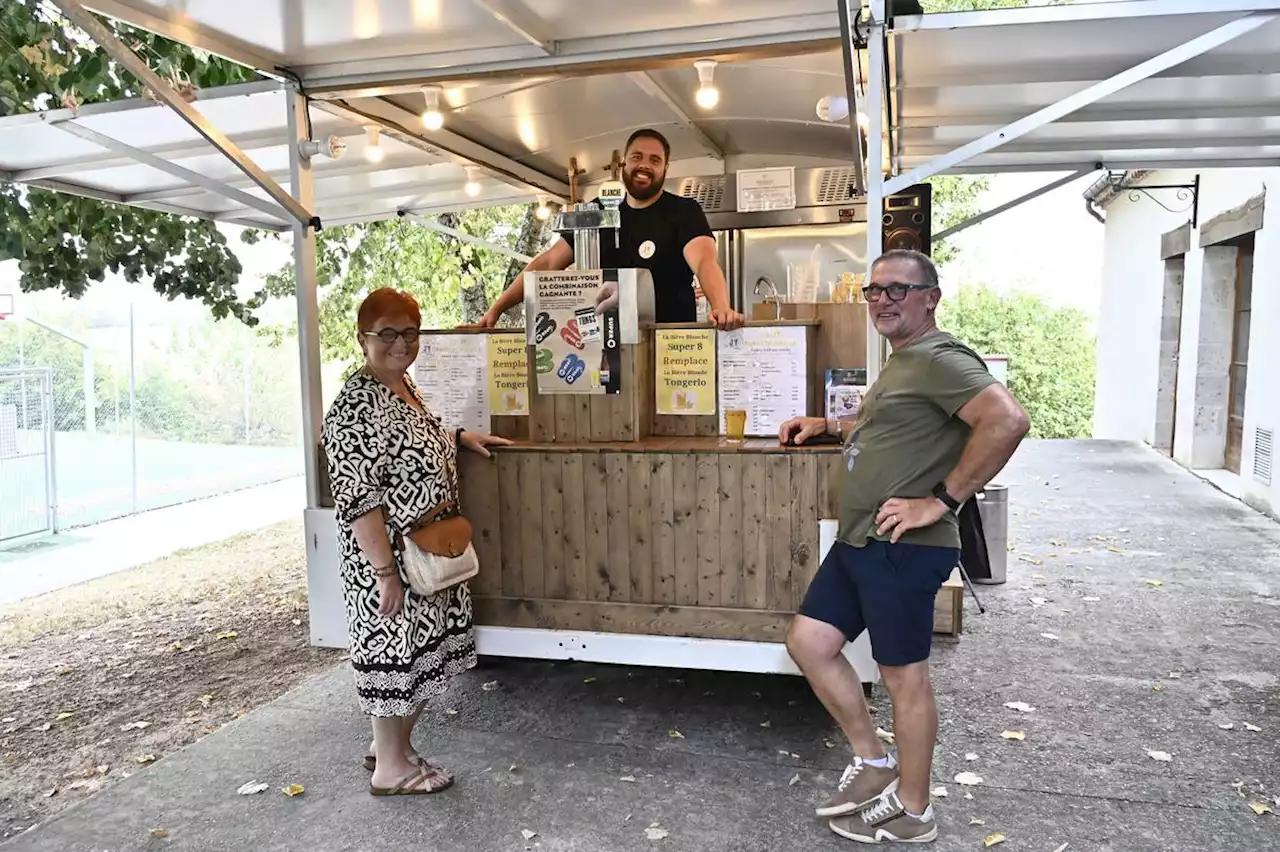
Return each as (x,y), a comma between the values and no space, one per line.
(665,233)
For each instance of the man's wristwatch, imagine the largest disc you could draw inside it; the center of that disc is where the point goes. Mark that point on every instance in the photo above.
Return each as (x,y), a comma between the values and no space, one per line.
(940,491)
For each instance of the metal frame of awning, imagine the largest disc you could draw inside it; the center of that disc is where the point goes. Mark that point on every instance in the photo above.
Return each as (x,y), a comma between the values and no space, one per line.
(361,92)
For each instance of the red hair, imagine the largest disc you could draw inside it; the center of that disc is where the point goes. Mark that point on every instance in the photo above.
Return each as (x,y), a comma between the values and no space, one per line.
(384,302)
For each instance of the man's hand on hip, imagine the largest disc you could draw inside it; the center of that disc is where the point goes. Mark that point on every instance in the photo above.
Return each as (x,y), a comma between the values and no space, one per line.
(899,514)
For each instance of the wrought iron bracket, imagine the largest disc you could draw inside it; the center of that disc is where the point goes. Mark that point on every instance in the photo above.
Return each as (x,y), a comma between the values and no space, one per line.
(1187,192)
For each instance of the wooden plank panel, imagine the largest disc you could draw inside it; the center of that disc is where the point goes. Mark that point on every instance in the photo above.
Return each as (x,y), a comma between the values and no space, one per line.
(755,536)
(552,508)
(575,528)
(506,426)
(619,526)
(623,408)
(661,509)
(708,523)
(641,554)
(706,425)
(731,573)
(646,619)
(594,486)
(778,523)
(533,575)
(828,485)
(684,480)
(511,523)
(478,496)
(804,523)
(566,408)
(542,410)
(582,418)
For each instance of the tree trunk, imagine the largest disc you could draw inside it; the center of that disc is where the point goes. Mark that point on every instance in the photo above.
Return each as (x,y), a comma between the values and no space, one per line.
(471,293)
(532,236)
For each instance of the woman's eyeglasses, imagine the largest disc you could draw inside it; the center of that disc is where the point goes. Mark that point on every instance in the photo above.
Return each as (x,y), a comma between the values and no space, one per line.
(895,292)
(389,335)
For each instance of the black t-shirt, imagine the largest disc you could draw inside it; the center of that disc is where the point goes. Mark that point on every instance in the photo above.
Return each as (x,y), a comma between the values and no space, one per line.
(654,238)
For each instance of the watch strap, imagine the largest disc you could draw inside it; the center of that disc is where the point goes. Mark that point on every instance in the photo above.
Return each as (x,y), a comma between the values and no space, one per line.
(940,491)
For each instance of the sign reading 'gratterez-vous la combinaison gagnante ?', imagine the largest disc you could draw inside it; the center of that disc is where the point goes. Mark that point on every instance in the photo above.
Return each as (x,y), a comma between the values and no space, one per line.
(576,349)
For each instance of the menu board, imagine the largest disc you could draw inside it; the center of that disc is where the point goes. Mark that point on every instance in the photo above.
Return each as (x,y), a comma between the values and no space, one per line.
(578,351)
(508,375)
(686,371)
(764,371)
(451,372)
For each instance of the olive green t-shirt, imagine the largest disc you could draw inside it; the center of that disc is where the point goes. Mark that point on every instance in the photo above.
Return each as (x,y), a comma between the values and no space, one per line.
(906,437)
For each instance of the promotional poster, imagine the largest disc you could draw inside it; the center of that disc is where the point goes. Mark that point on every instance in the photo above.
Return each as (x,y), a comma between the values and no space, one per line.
(578,350)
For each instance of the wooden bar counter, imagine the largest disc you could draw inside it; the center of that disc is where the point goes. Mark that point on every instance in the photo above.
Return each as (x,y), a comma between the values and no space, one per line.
(685,536)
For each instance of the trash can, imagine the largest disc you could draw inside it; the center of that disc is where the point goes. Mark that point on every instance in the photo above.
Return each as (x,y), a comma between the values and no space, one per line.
(993,508)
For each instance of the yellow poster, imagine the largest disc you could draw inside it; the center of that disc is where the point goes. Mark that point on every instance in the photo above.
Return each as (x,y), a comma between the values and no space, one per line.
(508,375)
(686,371)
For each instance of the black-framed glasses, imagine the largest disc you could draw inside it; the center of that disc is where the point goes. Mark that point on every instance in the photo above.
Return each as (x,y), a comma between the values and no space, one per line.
(895,292)
(389,335)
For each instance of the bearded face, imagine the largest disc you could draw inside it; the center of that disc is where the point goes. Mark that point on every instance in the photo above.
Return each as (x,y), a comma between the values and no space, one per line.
(645,169)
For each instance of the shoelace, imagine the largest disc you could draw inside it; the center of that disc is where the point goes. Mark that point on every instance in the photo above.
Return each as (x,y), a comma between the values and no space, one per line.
(850,772)
(881,809)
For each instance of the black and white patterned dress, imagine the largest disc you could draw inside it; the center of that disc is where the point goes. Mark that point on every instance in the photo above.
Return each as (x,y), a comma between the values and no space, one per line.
(384,452)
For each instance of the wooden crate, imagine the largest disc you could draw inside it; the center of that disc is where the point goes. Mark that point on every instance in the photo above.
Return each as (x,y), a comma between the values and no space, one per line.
(948,606)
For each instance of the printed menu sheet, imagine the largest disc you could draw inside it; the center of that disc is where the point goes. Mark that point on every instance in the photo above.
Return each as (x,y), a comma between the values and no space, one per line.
(452,374)
(508,375)
(763,370)
(686,371)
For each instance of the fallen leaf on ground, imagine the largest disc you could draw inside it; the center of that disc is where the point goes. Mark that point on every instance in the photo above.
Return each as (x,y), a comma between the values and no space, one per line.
(205,700)
(795,779)
(490,686)
(103,768)
(992,839)
(1249,727)
(968,779)
(1175,675)
(828,744)
(65,714)
(973,755)
(1053,636)
(1091,599)
(588,680)
(135,726)
(1021,706)
(1038,602)
(146,758)
(1226,726)
(1260,808)
(451,712)
(795,756)
(293,790)
(765,724)
(938,792)
(1162,756)
(297,622)
(1039,577)
(1014,735)
(1155,582)
(1057,542)
(230,634)
(1157,688)
(976,821)
(1114,549)
(48,794)
(675,735)
(884,735)
(527,834)
(630,779)
(252,788)
(655,832)
(159,832)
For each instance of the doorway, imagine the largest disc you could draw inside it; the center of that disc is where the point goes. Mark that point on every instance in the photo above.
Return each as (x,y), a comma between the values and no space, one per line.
(1170,342)
(1239,353)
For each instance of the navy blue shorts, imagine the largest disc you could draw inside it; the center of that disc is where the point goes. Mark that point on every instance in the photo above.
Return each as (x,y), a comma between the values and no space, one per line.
(886,589)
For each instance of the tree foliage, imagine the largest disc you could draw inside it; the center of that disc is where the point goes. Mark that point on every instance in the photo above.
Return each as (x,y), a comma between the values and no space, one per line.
(63,242)
(436,268)
(1051,351)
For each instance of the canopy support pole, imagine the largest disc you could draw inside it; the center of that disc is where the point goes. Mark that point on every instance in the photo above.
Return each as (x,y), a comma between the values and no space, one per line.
(118,51)
(1091,94)
(464,237)
(876,47)
(1009,205)
(852,67)
(304,273)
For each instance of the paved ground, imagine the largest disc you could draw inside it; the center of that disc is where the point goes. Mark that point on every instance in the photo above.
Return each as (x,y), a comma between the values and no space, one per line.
(547,747)
(36,566)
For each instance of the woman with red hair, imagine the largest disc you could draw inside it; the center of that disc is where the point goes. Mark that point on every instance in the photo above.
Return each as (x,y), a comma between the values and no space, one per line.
(391,462)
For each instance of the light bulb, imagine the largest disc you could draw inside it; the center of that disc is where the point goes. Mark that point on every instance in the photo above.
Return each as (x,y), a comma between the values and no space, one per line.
(543,212)
(373,146)
(708,97)
(432,118)
(472,188)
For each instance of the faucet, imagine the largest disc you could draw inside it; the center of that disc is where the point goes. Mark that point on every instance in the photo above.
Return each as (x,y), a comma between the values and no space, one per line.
(777,303)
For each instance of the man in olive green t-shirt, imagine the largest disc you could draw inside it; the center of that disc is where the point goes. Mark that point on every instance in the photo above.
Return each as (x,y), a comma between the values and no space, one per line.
(933,430)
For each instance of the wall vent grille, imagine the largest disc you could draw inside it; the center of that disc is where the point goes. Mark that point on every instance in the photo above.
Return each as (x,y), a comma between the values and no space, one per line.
(1264,441)
(837,185)
(708,192)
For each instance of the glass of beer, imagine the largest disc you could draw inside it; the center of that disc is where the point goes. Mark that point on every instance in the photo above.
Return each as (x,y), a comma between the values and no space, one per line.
(735,424)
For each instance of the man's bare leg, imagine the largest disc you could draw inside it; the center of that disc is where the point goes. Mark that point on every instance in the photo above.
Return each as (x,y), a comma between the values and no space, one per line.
(817,648)
(915,728)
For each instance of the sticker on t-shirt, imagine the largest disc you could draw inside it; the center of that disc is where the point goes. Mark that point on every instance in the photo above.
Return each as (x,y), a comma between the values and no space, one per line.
(851,451)
(647,248)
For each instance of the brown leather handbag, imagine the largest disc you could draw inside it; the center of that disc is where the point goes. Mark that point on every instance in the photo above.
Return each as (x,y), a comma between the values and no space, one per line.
(437,552)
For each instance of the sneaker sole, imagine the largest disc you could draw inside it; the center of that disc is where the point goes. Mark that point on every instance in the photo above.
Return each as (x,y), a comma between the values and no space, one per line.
(888,838)
(850,807)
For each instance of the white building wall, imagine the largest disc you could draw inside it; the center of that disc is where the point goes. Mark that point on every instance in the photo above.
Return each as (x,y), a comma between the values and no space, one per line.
(1128,324)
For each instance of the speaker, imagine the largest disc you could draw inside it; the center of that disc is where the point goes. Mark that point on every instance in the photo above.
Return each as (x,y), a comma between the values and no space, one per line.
(907,218)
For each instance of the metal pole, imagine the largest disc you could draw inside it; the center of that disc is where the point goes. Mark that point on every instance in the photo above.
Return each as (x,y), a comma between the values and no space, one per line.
(22,365)
(133,414)
(245,380)
(51,468)
(90,395)
(304,267)
(875,172)
(852,65)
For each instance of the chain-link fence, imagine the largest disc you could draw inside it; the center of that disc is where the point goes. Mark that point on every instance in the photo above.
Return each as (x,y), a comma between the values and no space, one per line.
(151,410)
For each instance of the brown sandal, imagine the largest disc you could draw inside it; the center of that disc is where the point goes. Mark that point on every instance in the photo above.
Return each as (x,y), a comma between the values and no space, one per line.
(409,784)
(371,763)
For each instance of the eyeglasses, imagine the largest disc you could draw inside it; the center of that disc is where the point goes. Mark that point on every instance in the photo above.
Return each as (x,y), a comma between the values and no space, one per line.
(895,292)
(389,335)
